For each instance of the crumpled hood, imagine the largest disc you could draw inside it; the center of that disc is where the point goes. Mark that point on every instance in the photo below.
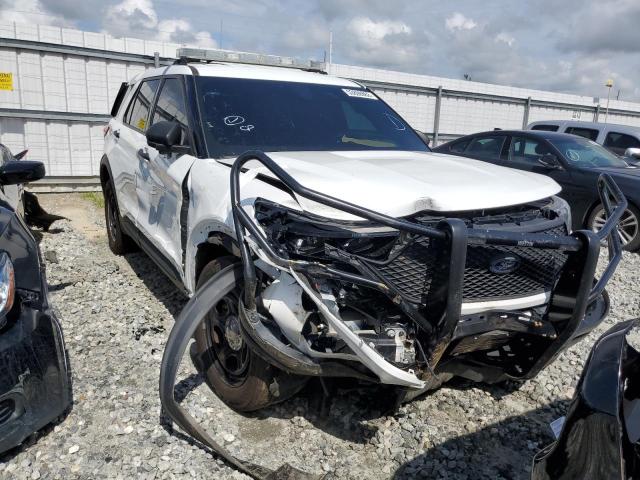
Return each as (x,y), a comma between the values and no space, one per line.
(400,183)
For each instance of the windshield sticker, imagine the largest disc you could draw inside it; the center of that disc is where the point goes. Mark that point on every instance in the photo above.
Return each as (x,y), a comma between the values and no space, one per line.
(233,120)
(359,93)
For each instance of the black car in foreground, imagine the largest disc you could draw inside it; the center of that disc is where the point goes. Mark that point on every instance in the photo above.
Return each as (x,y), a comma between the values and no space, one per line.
(574,162)
(34,373)
(600,435)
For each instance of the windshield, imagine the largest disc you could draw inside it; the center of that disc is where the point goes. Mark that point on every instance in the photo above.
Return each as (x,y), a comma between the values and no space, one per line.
(584,153)
(247,114)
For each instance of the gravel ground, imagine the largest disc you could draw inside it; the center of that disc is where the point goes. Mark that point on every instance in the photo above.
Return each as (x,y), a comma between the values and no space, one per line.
(116,314)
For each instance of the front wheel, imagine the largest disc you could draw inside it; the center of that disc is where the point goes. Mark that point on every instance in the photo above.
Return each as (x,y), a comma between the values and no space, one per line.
(239,377)
(628,228)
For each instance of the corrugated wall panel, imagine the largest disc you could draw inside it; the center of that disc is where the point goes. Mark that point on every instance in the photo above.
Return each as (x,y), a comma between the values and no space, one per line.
(55,92)
(60,159)
(76,82)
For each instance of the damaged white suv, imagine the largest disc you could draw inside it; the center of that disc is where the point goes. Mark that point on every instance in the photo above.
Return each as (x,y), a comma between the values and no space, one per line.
(325,239)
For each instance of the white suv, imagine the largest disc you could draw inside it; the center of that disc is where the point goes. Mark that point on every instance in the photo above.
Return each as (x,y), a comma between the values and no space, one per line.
(363,254)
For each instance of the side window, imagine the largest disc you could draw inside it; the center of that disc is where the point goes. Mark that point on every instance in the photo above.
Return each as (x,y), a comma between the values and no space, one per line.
(589,133)
(137,115)
(619,142)
(527,150)
(486,147)
(459,147)
(546,128)
(171,106)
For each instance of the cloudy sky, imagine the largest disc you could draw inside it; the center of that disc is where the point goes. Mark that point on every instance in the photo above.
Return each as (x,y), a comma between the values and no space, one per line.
(569,46)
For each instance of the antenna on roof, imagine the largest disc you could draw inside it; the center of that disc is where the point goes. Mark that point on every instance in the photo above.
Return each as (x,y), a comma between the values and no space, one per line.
(186,55)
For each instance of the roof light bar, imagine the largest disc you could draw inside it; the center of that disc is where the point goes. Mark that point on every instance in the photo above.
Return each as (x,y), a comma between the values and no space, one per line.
(207,55)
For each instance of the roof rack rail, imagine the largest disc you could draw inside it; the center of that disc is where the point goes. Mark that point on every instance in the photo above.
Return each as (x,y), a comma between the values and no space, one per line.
(186,55)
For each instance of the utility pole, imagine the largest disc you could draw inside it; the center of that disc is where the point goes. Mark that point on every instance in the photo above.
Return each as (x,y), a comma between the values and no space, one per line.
(609,84)
(330,47)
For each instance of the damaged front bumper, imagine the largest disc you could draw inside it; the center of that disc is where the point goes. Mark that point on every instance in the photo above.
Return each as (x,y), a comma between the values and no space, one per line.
(600,436)
(577,303)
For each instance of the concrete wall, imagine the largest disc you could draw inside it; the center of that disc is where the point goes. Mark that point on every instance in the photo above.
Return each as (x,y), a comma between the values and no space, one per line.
(61,99)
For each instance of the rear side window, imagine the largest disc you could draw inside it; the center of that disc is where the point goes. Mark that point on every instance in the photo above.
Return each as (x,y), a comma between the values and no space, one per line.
(619,142)
(589,133)
(124,87)
(546,128)
(137,115)
(459,147)
(488,147)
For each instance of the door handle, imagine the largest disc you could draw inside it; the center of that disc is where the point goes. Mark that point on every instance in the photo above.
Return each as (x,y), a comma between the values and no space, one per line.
(142,153)
(116,133)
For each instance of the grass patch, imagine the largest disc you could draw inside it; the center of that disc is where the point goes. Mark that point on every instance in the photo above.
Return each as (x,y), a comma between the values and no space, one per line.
(94,197)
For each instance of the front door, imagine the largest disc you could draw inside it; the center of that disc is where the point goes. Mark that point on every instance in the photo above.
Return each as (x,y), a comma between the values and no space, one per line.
(167,174)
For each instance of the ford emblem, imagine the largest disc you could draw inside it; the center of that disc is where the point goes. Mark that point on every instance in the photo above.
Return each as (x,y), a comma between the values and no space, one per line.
(504,264)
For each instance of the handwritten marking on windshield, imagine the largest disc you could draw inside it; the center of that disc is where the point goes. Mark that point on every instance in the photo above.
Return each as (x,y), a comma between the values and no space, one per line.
(247,128)
(233,120)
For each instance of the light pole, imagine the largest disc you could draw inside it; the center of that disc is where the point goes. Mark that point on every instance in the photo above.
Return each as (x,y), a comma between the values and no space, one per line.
(609,84)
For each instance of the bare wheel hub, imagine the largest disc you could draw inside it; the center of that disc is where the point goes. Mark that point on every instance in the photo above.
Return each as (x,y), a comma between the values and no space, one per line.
(232,333)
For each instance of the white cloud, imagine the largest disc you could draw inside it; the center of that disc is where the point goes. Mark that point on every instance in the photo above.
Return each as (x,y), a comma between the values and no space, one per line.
(31,12)
(458,21)
(505,38)
(375,32)
(138,18)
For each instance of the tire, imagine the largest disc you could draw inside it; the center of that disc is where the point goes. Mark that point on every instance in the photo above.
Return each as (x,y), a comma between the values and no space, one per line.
(119,242)
(629,229)
(239,377)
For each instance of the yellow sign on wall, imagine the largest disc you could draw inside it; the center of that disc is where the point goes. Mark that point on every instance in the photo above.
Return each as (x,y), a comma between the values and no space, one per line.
(6,81)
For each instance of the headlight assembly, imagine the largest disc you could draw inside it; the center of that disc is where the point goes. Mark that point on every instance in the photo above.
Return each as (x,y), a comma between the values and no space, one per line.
(7,285)
(304,235)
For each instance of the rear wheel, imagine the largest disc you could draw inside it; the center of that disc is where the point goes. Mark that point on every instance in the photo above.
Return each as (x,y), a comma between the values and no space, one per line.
(239,377)
(119,242)
(628,228)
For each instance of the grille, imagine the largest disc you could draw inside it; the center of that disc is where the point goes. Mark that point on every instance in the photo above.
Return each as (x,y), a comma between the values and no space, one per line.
(538,270)
(416,270)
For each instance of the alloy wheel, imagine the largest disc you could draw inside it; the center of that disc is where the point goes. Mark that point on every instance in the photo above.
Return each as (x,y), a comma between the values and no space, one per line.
(627,228)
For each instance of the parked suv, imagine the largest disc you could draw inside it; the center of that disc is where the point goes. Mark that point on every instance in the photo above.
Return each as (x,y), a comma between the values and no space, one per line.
(622,140)
(327,240)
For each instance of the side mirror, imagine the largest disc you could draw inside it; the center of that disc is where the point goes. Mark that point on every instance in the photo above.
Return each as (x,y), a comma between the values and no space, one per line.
(632,152)
(550,161)
(165,137)
(423,136)
(23,171)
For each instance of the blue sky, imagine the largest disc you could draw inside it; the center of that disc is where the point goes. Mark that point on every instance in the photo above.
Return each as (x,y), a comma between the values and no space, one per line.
(569,46)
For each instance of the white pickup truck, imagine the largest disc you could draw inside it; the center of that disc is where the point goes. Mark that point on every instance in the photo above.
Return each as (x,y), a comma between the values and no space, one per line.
(363,254)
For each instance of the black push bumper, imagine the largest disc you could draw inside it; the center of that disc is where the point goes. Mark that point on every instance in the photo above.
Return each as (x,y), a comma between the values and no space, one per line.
(578,301)
(600,438)
(34,375)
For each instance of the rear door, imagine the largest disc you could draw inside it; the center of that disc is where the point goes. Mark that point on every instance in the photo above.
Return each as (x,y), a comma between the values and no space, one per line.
(134,144)
(167,195)
(122,142)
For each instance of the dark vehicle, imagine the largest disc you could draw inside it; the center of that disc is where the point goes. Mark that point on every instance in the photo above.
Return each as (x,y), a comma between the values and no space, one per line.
(574,162)
(600,437)
(34,378)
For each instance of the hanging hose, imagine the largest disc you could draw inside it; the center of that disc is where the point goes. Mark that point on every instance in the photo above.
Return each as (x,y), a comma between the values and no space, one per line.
(186,324)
